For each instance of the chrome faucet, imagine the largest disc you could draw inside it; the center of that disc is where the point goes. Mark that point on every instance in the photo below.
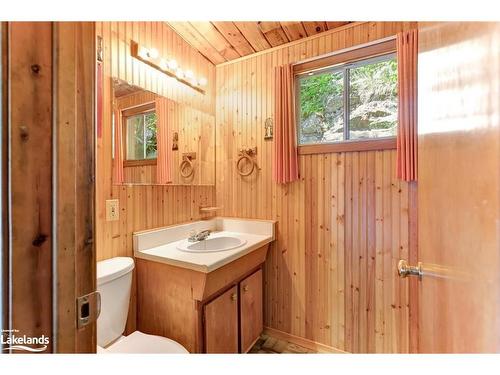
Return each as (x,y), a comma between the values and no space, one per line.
(200,236)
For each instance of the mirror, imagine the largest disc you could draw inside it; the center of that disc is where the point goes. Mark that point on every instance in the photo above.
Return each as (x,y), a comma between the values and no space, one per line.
(189,144)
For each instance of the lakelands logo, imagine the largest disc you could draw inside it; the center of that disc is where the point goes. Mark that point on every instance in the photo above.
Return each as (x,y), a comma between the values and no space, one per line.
(13,340)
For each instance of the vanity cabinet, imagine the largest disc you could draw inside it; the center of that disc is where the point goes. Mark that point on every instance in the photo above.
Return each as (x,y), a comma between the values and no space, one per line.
(221,323)
(220,311)
(237,313)
(251,310)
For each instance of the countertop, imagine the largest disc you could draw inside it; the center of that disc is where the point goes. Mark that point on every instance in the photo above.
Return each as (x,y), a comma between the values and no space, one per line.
(204,262)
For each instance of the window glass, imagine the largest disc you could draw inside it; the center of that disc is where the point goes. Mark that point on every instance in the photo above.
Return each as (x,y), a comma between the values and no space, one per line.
(321,108)
(373,100)
(141,136)
(349,102)
(150,131)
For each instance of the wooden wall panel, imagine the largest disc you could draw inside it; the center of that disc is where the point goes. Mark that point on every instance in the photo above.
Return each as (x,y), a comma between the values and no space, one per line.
(330,277)
(75,126)
(143,207)
(30,181)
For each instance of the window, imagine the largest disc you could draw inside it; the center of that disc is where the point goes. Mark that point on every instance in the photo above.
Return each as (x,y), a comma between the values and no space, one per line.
(347,102)
(140,135)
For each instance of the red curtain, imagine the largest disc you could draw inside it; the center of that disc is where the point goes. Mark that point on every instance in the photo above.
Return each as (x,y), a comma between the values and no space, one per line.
(118,156)
(163,142)
(285,161)
(407,53)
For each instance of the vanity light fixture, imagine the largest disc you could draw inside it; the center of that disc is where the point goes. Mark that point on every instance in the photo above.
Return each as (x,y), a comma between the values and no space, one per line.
(170,67)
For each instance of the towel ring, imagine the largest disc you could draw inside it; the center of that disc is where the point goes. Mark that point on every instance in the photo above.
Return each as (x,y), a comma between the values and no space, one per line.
(239,167)
(186,164)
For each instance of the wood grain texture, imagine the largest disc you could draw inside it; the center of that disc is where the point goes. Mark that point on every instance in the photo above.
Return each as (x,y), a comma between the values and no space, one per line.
(226,41)
(30,53)
(143,207)
(330,276)
(221,335)
(4,102)
(170,299)
(75,60)
(251,310)
(459,184)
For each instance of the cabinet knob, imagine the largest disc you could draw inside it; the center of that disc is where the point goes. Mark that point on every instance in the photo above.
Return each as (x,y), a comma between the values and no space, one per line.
(245,288)
(234,296)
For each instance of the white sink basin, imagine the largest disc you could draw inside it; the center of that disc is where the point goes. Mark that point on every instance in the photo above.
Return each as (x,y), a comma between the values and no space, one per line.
(211,245)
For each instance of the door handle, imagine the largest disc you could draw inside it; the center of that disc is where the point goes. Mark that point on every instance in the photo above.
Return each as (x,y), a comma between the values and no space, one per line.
(404,269)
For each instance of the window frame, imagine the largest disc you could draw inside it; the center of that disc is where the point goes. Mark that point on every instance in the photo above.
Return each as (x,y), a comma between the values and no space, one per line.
(126,114)
(343,62)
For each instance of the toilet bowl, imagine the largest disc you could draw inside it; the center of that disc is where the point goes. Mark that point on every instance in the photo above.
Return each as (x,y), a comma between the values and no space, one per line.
(114,281)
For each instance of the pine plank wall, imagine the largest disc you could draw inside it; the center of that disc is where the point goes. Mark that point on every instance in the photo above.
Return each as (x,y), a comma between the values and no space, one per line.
(331,275)
(149,206)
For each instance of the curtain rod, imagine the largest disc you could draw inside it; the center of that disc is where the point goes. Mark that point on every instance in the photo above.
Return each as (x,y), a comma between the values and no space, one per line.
(343,50)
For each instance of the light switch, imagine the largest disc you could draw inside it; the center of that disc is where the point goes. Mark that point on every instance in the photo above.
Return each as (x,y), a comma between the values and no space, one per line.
(112,210)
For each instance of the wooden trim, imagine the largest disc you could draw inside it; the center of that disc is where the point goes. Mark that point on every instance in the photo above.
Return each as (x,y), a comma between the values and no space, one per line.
(137,110)
(4,255)
(139,163)
(306,343)
(349,146)
(360,53)
(129,112)
(295,42)
(413,259)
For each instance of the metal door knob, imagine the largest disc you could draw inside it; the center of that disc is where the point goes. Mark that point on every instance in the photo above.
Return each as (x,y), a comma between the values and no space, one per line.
(405,270)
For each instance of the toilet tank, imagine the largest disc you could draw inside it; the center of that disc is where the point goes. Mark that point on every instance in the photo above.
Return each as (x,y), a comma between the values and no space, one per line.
(114,280)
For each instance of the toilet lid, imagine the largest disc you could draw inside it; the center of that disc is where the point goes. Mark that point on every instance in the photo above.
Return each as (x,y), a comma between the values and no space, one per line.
(139,342)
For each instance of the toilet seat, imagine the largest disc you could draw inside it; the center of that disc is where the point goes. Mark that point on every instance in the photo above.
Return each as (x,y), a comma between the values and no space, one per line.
(139,342)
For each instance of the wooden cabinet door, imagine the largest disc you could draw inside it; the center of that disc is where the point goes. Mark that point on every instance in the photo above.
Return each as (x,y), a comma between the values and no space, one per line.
(221,323)
(251,319)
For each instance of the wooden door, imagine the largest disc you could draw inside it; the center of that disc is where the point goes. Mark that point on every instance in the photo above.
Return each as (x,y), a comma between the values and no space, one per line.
(49,69)
(459,184)
(251,321)
(221,323)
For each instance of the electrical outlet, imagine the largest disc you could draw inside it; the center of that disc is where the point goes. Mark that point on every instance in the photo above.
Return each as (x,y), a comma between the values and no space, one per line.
(112,210)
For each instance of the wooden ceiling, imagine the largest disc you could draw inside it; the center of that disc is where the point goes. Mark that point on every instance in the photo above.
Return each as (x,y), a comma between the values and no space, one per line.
(225,41)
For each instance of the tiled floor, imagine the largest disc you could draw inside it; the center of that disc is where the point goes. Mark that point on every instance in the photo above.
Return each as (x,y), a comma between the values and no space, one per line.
(270,345)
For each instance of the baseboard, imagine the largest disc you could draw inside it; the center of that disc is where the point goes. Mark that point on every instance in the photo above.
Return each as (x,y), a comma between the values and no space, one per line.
(306,343)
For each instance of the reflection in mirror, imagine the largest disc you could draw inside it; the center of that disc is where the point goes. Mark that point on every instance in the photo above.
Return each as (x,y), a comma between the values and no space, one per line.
(140,146)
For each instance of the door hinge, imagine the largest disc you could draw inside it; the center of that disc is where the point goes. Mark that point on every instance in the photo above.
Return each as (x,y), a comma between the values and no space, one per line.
(88,308)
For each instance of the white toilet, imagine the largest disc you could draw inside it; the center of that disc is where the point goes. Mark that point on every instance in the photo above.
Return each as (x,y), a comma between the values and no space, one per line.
(114,280)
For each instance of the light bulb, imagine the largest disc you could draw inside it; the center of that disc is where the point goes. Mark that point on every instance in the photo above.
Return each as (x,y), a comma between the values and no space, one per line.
(153,53)
(172,64)
(203,81)
(163,64)
(189,74)
(143,53)
(179,73)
